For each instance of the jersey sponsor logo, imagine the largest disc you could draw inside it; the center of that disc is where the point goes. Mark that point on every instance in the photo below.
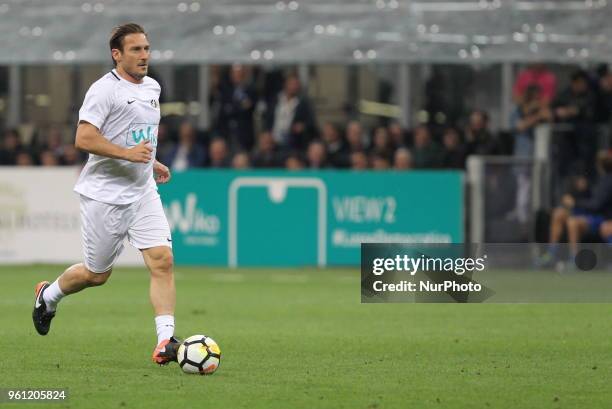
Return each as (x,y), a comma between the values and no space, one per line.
(154,103)
(142,132)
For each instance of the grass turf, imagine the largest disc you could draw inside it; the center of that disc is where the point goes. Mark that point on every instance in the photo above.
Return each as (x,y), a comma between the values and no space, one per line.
(301,339)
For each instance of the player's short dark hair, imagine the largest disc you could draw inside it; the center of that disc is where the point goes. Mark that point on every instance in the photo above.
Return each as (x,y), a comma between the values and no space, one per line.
(118,35)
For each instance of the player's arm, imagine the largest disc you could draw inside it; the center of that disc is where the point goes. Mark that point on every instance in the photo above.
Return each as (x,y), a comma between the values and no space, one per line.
(90,140)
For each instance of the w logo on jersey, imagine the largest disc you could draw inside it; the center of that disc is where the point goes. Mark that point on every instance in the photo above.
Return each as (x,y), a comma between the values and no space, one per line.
(142,132)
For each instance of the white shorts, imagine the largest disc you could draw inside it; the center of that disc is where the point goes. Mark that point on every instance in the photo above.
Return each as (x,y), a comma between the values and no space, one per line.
(105,226)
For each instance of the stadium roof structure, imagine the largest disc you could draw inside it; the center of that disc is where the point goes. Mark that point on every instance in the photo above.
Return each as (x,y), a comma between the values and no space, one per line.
(306,31)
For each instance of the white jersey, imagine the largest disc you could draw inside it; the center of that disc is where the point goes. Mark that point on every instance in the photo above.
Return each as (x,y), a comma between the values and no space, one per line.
(125,113)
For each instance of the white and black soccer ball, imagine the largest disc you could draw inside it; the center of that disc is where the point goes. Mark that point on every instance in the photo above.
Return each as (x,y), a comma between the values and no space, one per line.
(199,354)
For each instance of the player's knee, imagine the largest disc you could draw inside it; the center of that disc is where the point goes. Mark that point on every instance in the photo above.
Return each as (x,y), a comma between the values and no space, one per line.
(96,279)
(163,261)
(558,214)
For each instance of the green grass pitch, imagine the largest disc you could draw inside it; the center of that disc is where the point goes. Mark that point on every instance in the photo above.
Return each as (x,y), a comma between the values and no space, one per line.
(301,339)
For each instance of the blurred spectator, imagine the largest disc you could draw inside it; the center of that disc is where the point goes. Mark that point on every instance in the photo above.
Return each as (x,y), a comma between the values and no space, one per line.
(579,190)
(605,231)
(531,111)
(266,154)
(538,75)
(359,160)
(218,153)
(241,161)
(24,159)
(316,155)
(294,162)
(397,135)
(290,117)
(54,141)
(355,137)
(188,153)
(426,152)
(479,139)
(48,158)
(576,141)
(381,143)
(71,156)
(575,104)
(453,153)
(336,148)
(603,111)
(380,162)
(237,100)
(402,159)
(165,145)
(589,214)
(9,148)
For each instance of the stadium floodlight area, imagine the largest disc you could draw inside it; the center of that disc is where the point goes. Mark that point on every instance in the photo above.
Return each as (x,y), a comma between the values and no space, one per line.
(291,31)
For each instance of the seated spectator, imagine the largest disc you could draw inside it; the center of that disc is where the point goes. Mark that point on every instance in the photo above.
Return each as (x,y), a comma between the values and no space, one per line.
(70,156)
(589,214)
(478,138)
(241,161)
(397,135)
(606,231)
(316,155)
(336,148)
(453,154)
(48,158)
(380,162)
(290,117)
(381,143)
(23,158)
(294,162)
(426,152)
(359,160)
(9,147)
(355,137)
(402,160)
(579,190)
(165,145)
(266,154)
(218,154)
(188,153)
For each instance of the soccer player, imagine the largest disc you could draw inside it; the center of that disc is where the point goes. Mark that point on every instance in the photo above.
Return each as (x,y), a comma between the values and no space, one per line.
(118,193)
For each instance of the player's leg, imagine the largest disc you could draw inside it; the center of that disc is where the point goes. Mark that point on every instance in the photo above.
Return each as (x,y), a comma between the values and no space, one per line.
(150,233)
(577,226)
(159,260)
(605,230)
(558,224)
(103,229)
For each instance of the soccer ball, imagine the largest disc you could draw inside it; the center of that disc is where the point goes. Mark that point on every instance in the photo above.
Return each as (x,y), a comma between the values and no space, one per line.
(199,354)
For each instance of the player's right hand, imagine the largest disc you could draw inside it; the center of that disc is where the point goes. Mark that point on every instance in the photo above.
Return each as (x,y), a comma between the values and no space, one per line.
(140,153)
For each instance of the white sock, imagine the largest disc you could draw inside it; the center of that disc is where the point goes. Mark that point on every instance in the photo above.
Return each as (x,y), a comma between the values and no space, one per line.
(165,327)
(52,295)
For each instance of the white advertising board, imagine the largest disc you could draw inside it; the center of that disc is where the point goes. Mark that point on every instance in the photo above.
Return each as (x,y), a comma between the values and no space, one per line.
(39,217)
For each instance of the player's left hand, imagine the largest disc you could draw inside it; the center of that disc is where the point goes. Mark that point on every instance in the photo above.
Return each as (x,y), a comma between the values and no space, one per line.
(161,172)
